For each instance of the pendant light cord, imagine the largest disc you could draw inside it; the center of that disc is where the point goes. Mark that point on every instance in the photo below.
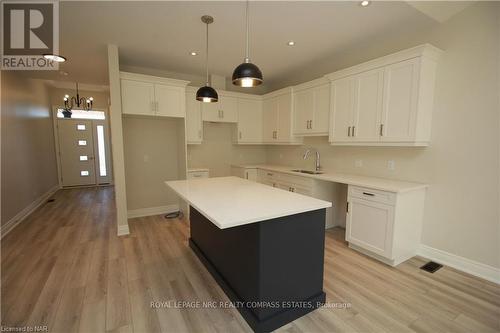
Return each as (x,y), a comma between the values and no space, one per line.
(247,58)
(206,57)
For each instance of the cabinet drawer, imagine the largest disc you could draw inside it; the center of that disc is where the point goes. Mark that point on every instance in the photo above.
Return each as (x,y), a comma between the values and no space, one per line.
(197,174)
(372,195)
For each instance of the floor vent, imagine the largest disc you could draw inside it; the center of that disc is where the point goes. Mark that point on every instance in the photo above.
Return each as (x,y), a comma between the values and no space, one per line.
(51,200)
(431,267)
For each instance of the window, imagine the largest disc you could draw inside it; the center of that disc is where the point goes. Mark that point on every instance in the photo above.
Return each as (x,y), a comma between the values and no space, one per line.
(82,114)
(84,173)
(101,151)
(82,142)
(84,158)
(80,127)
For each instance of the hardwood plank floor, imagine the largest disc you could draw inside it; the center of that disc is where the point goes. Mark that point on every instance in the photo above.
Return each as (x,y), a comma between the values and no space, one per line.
(64,267)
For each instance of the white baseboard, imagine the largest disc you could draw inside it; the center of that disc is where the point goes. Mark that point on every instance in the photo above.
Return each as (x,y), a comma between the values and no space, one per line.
(152,211)
(123,230)
(472,267)
(19,217)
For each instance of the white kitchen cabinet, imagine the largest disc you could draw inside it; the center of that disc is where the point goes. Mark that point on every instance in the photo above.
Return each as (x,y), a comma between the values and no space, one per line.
(385,102)
(152,96)
(249,173)
(194,123)
(137,97)
(224,111)
(342,108)
(399,115)
(249,126)
(277,117)
(385,225)
(311,108)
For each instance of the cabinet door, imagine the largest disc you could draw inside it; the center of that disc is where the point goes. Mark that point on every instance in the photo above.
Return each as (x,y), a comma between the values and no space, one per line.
(400,101)
(341,110)
(137,97)
(169,101)
(229,108)
(251,174)
(284,118)
(321,118)
(370,225)
(270,119)
(249,121)
(368,94)
(211,111)
(303,109)
(194,124)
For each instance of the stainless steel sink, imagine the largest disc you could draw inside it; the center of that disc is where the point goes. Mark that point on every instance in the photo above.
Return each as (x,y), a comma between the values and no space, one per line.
(310,172)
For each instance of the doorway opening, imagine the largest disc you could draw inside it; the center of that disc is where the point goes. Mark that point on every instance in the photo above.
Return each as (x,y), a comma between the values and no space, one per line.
(83,148)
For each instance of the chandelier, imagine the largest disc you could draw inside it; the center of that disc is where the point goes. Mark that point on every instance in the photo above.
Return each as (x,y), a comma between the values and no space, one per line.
(77,102)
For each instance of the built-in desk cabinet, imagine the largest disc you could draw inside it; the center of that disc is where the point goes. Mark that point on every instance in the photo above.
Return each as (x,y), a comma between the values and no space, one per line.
(146,95)
(311,108)
(385,102)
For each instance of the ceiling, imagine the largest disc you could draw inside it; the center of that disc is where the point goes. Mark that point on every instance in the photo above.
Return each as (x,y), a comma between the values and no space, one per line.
(160,35)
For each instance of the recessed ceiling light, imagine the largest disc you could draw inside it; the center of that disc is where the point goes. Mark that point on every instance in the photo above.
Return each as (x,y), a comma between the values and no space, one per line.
(290,43)
(193,53)
(54,57)
(364,3)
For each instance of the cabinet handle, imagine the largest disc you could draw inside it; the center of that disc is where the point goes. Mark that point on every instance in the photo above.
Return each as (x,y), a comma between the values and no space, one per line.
(240,134)
(349,131)
(370,194)
(310,124)
(381,129)
(353,131)
(307,124)
(246,175)
(269,174)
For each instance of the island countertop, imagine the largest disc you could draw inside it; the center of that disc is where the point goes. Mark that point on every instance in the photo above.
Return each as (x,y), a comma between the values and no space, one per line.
(231,201)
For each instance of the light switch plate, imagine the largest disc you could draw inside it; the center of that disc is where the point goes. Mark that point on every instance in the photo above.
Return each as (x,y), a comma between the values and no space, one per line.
(391,165)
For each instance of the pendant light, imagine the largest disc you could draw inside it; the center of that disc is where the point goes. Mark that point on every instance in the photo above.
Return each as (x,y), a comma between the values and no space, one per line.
(247,74)
(207,94)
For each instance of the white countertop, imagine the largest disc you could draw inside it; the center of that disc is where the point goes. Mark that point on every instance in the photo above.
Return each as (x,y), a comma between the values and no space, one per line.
(232,201)
(375,183)
(198,170)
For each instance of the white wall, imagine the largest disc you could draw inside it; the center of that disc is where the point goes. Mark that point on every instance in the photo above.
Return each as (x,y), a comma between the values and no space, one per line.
(217,152)
(29,168)
(462,163)
(151,157)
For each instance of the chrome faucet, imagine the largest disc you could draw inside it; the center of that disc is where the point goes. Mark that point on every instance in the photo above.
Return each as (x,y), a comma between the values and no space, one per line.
(306,155)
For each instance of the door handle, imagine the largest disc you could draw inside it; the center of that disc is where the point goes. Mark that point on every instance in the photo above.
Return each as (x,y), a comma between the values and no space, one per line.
(310,124)
(354,131)
(349,131)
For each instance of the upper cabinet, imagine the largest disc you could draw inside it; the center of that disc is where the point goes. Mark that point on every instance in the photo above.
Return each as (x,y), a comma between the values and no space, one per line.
(152,96)
(278,118)
(249,127)
(386,101)
(194,123)
(311,108)
(225,110)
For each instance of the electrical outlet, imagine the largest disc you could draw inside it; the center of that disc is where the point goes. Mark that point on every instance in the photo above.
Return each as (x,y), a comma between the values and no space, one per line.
(391,165)
(358,163)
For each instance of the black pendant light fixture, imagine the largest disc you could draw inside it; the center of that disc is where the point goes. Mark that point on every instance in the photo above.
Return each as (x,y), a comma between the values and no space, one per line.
(207,94)
(247,74)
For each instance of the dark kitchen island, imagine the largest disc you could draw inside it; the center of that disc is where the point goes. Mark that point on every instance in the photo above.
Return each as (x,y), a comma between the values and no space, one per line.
(264,246)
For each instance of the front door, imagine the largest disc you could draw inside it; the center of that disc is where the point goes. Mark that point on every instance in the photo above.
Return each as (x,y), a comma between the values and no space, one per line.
(84,152)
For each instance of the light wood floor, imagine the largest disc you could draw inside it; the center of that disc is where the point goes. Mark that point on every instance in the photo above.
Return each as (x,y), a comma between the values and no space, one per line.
(64,267)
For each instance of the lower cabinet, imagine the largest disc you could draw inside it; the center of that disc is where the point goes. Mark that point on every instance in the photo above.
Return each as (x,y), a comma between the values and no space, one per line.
(384,225)
(249,173)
